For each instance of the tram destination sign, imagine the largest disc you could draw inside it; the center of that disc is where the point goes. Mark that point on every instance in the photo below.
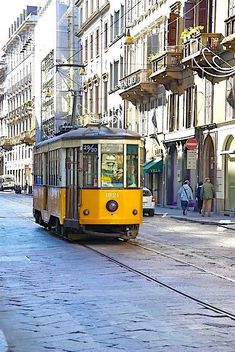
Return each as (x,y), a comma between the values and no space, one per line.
(90,148)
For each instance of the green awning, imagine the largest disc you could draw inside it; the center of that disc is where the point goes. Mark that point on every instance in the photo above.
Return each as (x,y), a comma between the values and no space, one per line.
(153,166)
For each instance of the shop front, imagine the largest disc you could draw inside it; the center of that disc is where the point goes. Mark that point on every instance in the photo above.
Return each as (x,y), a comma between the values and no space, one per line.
(153,177)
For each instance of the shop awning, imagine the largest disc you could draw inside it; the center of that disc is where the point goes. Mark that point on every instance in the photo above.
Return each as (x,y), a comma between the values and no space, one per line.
(153,166)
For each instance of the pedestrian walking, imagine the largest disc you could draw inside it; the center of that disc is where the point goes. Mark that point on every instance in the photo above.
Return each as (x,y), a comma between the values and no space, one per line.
(198,197)
(185,193)
(207,195)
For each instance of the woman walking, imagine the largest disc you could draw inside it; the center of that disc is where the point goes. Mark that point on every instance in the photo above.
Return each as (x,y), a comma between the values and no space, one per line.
(185,193)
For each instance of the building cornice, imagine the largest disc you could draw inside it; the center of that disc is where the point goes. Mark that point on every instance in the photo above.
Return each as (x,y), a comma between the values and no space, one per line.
(93,18)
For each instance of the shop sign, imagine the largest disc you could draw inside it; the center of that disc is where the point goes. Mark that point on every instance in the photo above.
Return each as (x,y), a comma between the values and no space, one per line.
(191,159)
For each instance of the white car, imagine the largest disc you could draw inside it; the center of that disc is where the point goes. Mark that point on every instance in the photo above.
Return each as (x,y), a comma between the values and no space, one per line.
(149,202)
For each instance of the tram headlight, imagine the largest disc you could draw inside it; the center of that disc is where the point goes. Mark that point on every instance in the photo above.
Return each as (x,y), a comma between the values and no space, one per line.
(86,212)
(135,212)
(111,205)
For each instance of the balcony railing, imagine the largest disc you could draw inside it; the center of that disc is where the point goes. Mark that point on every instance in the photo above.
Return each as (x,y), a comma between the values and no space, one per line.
(192,47)
(137,77)
(169,59)
(28,137)
(5,143)
(136,85)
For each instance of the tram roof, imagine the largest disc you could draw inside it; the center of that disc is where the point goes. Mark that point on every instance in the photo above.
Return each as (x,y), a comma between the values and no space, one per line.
(92,132)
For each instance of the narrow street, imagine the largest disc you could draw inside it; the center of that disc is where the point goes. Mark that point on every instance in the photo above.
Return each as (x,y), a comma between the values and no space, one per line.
(172,289)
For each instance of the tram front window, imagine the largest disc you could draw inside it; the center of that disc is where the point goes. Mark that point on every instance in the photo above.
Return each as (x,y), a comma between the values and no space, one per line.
(112,166)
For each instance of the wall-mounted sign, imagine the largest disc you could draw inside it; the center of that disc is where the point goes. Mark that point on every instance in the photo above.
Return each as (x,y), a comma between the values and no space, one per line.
(191,159)
(191,143)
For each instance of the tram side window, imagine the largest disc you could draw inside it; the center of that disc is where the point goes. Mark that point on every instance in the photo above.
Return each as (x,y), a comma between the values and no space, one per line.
(54,168)
(132,165)
(90,165)
(112,165)
(38,173)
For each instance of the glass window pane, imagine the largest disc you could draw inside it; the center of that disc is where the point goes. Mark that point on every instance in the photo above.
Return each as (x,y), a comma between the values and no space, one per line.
(132,166)
(90,165)
(112,166)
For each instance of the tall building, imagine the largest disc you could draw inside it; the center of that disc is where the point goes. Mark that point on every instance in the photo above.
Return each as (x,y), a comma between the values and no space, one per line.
(101,33)
(19,129)
(190,115)
(56,67)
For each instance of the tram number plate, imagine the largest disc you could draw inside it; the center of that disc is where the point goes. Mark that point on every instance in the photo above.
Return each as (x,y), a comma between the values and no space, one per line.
(90,148)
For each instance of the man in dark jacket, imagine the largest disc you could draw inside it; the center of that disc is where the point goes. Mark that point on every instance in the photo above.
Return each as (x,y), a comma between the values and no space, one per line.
(207,195)
(198,197)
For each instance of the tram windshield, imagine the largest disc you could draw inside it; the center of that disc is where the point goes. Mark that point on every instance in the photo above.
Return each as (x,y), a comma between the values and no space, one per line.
(112,174)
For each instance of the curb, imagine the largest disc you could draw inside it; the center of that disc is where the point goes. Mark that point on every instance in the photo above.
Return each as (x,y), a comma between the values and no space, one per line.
(200,221)
(3,343)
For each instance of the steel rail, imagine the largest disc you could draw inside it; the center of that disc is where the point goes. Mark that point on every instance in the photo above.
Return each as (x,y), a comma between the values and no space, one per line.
(208,306)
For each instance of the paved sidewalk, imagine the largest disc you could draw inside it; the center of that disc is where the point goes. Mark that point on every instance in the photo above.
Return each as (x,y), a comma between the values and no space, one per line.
(193,216)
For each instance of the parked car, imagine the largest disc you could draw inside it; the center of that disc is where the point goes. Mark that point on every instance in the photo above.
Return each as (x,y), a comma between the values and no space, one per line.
(149,202)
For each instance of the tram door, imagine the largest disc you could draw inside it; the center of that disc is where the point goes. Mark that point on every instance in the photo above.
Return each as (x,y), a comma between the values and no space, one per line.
(72,182)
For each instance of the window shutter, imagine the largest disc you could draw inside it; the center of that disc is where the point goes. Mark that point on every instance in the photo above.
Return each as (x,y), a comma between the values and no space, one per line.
(203,13)
(155,47)
(189,14)
(172,29)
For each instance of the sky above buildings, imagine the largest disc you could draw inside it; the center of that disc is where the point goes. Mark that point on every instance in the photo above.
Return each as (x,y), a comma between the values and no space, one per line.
(9,11)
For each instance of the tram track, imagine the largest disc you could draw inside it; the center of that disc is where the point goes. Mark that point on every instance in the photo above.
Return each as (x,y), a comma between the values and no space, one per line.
(182,261)
(211,307)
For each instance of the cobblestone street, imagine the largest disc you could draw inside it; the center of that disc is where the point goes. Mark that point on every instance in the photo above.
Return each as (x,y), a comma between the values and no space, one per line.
(61,296)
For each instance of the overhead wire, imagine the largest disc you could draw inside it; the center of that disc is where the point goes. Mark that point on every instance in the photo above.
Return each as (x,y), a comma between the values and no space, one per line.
(125,14)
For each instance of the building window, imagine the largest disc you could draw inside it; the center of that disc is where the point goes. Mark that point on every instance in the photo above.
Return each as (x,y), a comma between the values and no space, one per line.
(97,99)
(91,46)
(92,6)
(86,50)
(105,85)
(199,15)
(106,35)
(111,28)
(230,98)
(97,42)
(231,8)
(86,10)
(91,101)
(116,24)
(121,67)
(81,16)
(189,107)
(173,112)
(208,101)
(115,74)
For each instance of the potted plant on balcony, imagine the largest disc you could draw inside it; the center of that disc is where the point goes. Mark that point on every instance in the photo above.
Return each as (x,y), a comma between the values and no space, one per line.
(191,32)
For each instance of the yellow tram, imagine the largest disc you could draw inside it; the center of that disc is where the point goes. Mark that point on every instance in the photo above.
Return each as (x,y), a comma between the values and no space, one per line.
(89,180)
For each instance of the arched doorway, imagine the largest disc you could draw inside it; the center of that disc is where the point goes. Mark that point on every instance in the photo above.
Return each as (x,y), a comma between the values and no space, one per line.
(171,177)
(229,177)
(209,159)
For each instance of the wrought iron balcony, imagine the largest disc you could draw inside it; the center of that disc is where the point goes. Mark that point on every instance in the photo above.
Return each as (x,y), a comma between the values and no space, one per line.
(229,39)
(193,47)
(5,143)
(167,68)
(137,85)
(28,137)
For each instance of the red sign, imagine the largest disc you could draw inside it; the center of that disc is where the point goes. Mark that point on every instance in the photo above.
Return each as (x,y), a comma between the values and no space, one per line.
(191,143)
